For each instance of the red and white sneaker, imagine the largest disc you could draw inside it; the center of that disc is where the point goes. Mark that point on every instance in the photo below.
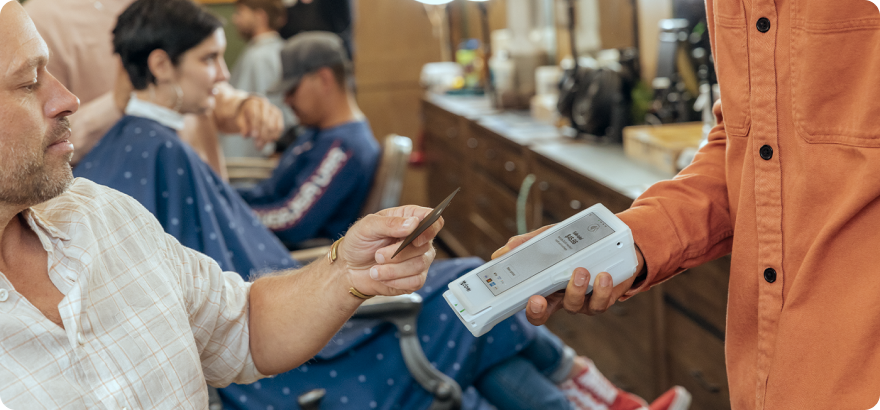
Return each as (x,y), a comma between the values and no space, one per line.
(590,390)
(676,398)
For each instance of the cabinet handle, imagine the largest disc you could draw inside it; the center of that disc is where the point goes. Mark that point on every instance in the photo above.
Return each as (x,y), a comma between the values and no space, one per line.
(575,204)
(701,380)
(472,143)
(510,166)
(524,189)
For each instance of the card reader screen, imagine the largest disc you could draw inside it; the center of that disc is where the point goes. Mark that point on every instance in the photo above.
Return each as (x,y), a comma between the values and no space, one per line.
(538,256)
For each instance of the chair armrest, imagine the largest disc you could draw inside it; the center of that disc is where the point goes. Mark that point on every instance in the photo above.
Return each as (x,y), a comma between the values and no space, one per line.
(388,307)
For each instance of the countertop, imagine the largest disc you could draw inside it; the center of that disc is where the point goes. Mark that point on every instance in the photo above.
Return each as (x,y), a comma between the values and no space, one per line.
(602,162)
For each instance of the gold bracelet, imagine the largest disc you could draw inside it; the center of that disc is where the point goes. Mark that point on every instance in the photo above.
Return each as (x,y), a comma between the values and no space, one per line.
(332,255)
(358,294)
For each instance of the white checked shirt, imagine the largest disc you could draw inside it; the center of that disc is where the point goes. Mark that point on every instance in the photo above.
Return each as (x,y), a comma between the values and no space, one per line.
(147,321)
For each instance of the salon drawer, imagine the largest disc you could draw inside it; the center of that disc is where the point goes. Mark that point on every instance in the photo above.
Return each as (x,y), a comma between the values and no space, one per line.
(619,341)
(499,158)
(445,127)
(696,361)
(559,198)
(494,203)
(481,238)
(564,192)
(445,174)
(702,291)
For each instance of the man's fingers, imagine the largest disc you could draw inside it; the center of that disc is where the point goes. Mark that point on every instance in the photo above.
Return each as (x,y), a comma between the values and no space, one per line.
(410,283)
(539,309)
(273,126)
(430,233)
(601,298)
(406,211)
(385,254)
(576,291)
(536,310)
(380,227)
(243,121)
(255,122)
(404,269)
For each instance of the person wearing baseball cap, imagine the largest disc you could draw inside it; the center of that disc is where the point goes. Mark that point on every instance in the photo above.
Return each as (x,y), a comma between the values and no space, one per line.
(323,178)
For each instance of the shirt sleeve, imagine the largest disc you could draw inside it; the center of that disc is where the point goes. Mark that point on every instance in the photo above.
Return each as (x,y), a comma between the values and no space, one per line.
(684,222)
(217,306)
(323,186)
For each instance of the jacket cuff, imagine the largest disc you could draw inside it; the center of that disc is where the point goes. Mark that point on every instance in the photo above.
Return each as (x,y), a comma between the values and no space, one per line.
(655,236)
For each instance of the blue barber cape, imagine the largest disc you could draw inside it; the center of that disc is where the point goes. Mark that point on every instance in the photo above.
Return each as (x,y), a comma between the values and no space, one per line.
(148,161)
(362,365)
(320,184)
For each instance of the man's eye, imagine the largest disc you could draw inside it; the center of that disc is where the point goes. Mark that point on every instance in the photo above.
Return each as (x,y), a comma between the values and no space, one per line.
(30,87)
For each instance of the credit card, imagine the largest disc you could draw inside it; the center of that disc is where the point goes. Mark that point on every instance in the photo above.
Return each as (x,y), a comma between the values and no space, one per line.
(427,222)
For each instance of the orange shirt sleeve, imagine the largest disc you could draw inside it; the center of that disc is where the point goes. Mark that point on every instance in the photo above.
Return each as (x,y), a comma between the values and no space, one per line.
(684,222)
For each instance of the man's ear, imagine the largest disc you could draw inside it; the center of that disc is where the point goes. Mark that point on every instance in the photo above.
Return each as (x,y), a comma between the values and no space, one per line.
(160,66)
(328,80)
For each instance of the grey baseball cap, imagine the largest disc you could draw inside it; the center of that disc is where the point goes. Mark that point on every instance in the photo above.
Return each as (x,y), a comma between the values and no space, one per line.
(305,53)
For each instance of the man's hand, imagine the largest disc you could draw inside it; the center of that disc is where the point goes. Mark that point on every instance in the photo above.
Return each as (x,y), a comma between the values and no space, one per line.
(258,119)
(574,298)
(237,112)
(370,243)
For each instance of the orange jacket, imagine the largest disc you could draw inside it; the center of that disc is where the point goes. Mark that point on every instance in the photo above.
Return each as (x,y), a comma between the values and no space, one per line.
(789,183)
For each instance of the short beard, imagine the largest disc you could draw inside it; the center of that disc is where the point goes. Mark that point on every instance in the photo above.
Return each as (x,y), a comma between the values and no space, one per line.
(28,180)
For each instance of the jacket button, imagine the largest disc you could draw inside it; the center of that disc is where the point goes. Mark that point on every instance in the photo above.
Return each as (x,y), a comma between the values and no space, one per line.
(766,152)
(763,24)
(770,275)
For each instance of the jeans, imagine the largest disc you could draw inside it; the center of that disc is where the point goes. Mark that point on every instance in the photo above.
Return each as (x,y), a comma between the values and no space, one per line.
(528,380)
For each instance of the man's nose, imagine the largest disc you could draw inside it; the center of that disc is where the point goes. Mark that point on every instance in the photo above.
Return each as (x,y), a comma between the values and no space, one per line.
(61,102)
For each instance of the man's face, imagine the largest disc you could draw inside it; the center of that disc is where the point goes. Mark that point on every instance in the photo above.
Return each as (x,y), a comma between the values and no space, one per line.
(307,99)
(245,21)
(34,148)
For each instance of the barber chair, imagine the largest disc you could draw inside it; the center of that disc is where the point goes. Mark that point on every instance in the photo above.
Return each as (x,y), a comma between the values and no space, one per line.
(403,310)
(249,170)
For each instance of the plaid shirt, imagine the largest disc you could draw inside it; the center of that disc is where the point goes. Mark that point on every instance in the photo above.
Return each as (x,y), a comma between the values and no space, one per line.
(146,321)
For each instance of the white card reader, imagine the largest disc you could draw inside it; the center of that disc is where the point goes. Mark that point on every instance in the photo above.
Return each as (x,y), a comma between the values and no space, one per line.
(594,239)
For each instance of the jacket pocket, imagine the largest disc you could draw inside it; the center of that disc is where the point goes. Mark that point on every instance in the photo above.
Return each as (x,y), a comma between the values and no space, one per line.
(732,65)
(835,72)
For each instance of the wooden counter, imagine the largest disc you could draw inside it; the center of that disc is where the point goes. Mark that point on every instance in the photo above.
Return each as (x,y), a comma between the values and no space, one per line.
(671,335)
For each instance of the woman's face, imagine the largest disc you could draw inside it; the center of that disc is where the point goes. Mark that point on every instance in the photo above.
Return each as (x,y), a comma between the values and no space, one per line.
(198,72)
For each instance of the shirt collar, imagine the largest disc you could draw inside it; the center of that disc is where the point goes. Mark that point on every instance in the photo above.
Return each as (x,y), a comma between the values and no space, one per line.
(145,109)
(40,224)
(264,38)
